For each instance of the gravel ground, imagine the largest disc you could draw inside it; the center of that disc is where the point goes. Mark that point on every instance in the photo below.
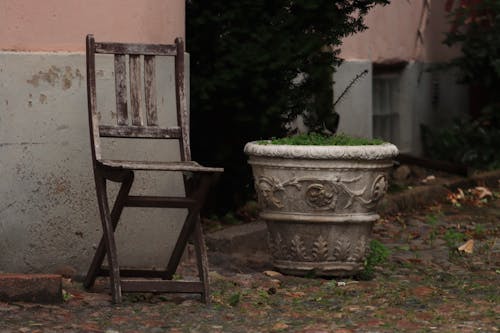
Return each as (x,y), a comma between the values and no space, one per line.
(426,285)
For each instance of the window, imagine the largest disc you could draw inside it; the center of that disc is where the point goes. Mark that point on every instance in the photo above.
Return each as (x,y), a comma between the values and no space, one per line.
(385,113)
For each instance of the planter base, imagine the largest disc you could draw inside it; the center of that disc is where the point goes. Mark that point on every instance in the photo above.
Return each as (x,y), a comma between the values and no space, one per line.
(326,268)
(319,248)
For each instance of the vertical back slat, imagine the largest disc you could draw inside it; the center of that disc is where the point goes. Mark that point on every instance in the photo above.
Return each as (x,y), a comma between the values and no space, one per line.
(182,112)
(135,89)
(121,90)
(150,90)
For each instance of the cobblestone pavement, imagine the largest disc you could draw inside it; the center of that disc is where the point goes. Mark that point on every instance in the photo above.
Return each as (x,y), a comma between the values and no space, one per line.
(427,285)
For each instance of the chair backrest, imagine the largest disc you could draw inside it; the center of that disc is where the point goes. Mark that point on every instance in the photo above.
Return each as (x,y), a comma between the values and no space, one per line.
(137,124)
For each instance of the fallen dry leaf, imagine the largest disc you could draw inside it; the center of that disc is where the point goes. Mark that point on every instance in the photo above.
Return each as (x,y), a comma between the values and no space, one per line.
(279,327)
(467,247)
(481,192)
(296,294)
(429,179)
(272,273)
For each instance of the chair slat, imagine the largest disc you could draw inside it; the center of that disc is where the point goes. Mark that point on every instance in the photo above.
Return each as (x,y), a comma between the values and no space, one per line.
(104,271)
(129,48)
(121,90)
(187,166)
(139,132)
(150,90)
(135,89)
(156,201)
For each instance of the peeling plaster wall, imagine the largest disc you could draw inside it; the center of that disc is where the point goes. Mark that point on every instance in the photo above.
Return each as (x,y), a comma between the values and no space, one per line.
(48,211)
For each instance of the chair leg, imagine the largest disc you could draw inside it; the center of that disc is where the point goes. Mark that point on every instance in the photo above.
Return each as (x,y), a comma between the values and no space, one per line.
(189,224)
(98,259)
(114,270)
(201,260)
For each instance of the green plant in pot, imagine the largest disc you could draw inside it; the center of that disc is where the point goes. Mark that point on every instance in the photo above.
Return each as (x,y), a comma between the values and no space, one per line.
(318,192)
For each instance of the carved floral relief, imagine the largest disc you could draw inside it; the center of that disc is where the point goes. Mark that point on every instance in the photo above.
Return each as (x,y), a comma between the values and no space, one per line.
(321,194)
(342,249)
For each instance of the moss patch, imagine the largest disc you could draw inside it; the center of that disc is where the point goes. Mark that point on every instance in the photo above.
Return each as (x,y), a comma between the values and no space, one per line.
(315,139)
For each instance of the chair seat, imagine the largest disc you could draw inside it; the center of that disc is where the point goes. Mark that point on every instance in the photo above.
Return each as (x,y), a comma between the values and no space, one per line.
(189,166)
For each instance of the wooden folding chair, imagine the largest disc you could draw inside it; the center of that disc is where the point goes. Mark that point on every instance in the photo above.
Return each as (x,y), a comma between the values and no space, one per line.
(123,171)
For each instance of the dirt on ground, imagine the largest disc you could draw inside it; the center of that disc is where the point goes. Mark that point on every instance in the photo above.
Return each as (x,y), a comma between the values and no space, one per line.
(442,275)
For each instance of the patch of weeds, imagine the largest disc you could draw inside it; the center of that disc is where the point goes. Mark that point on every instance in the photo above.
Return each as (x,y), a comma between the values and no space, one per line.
(310,274)
(453,238)
(249,211)
(229,218)
(177,277)
(234,299)
(396,188)
(432,220)
(66,296)
(479,231)
(404,247)
(263,297)
(378,254)
(330,284)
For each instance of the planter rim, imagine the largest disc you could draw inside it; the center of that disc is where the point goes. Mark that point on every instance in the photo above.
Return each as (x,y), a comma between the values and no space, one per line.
(368,152)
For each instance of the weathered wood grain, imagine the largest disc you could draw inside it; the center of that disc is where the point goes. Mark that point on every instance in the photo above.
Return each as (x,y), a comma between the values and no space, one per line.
(182,112)
(150,90)
(95,145)
(186,166)
(121,90)
(157,201)
(135,89)
(139,132)
(130,48)
(122,171)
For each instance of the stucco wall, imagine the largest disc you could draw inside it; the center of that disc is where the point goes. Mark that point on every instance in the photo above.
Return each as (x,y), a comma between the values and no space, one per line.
(393,33)
(48,211)
(355,108)
(420,97)
(61,25)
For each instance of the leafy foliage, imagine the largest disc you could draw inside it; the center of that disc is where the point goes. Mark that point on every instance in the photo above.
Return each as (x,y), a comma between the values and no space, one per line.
(476,28)
(471,142)
(379,253)
(315,139)
(256,65)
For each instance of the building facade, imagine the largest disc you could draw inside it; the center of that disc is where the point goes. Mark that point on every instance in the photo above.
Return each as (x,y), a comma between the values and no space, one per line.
(401,92)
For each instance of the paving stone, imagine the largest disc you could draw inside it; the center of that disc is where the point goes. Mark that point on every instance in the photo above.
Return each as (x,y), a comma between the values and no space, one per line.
(36,288)
(402,173)
(241,238)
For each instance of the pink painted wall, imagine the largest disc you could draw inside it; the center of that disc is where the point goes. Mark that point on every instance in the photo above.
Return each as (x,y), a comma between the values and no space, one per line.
(61,25)
(392,33)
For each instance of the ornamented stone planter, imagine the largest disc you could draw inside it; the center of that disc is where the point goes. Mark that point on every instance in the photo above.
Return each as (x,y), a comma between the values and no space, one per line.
(319,203)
